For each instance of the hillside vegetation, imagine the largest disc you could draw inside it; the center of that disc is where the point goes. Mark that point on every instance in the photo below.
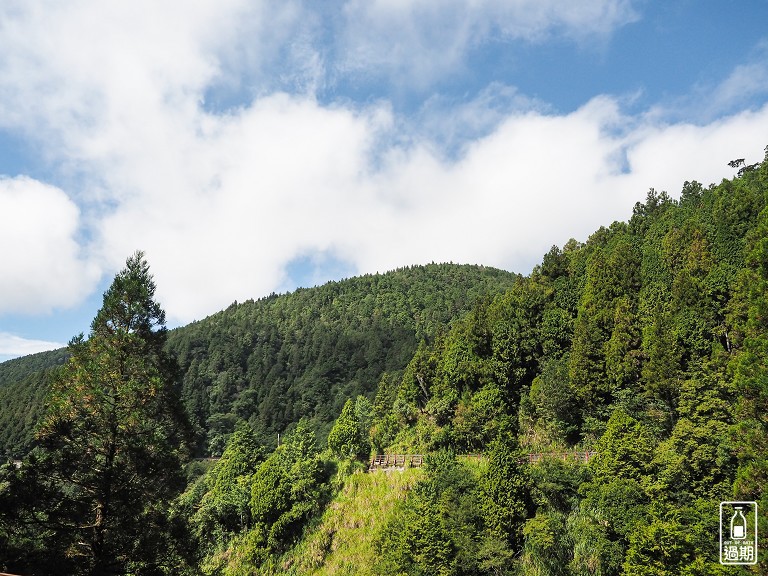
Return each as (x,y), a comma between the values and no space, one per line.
(647,343)
(301,355)
(23,386)
(278,359)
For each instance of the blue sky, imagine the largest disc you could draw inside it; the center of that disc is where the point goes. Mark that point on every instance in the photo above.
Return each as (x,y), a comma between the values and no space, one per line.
(256,146)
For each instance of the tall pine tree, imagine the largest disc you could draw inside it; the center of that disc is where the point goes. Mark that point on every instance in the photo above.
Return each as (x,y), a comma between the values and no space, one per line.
(114,438)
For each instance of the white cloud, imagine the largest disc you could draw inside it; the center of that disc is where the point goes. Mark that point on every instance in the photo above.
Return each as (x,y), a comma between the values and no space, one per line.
(424,40)
(12,346)
(40,257)
(76,70)
(540,179)
(711,98)
(666,155)
(220,220)
(742,85)
(288,177)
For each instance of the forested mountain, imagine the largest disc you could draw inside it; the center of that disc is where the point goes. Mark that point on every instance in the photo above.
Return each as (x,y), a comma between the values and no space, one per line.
(278,359)
(647,344)
(23,385)
(301,355)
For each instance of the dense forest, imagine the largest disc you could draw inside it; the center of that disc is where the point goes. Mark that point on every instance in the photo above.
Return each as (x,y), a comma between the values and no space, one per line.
(647,344)
(23,386)
(282,358)
(277,360)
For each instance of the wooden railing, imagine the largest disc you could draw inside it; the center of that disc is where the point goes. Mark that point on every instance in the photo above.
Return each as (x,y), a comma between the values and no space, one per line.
(401,461)
(585,457)
(398,461)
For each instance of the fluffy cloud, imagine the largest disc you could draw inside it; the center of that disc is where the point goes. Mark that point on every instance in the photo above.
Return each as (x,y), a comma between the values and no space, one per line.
(40,257)
(220,221)
(540,179)
(287,177)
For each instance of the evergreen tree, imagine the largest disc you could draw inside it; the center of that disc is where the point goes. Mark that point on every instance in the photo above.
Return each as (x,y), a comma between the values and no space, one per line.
(626,450)
(347,438)
(113,439)
(504,490)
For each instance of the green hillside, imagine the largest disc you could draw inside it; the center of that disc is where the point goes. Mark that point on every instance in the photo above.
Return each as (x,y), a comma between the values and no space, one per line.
(282,358)
(23,385)
(301,355)
(342,540)
(647,344)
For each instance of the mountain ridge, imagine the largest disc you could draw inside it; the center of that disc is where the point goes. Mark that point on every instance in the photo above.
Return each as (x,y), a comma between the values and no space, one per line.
(394,310)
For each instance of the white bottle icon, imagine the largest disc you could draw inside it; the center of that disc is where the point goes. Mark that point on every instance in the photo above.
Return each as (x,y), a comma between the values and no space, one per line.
(738,525)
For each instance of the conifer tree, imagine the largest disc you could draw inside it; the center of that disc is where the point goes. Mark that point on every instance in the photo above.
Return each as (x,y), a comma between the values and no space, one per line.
(113,440)
(346,438)
(504,490)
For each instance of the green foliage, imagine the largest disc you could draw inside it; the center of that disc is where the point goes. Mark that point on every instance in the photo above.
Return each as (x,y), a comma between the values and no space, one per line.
(697,459)
(594,550)
(555,484)
(619,503)
(480,418)
(551,398)
(23,388)
(677,541)
(287,490)
(605,338)
(342,541)
(218,504)
(504,489)
(661,371)
(438,529)
(349,436)
(622,351)
(301,355)
(29,540)
(247,510)
(468,382)
(547,549)
(625,450)
(276,360)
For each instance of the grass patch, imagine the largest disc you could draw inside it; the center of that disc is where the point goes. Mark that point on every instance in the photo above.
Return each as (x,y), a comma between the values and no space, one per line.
(341,541)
